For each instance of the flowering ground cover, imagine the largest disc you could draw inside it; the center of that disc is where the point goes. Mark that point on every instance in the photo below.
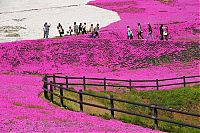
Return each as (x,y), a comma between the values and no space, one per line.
(121,59)
(181,17)
(20,102)
(97,55)
(22,110)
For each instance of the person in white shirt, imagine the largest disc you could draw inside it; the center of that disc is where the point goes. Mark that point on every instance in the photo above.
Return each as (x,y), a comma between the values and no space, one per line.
(91,30)
(165,32)
(76,28)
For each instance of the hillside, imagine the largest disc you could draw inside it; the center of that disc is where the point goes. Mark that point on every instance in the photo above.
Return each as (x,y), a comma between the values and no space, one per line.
(110,58)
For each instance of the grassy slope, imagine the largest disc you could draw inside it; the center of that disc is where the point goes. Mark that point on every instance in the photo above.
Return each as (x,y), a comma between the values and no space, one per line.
(184,99)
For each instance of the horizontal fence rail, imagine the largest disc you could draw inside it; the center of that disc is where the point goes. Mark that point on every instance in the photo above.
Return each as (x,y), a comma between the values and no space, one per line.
(129,84)
(50,85)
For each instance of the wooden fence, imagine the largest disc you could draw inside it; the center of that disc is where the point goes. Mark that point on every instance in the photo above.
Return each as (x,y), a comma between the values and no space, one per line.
(50,85)
(130,84)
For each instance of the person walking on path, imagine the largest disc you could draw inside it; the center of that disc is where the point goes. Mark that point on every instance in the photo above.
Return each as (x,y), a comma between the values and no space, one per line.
(140,31)
(75,28)
(129,33)
(91,30)
(60,29)
(165,32)
(84,29)
(161,32)
(46,30)
(96,31)
(150,32)
(80,28)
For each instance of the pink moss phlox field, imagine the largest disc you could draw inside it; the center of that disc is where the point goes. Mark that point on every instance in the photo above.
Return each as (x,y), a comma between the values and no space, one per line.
(95,55)
(22,110)
(121,59)
(181,17)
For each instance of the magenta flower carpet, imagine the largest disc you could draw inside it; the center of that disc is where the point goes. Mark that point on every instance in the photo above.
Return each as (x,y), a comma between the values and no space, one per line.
(112,56)
(22,110)
(181,17)
(122,59)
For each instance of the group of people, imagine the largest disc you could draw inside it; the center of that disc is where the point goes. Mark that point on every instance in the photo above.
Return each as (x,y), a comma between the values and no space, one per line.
(94,31)
(76,30)
(163,32)
(82,29)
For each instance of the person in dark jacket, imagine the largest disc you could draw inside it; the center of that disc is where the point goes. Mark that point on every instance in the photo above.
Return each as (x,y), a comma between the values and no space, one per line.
(60,29)
(70,31)
(84,29)
(46,30)
(96,31)
(150,32)
(161,32)
(80,28)
(139,31)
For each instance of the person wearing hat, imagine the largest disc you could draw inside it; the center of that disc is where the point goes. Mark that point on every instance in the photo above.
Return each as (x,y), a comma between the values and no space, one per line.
(150,32)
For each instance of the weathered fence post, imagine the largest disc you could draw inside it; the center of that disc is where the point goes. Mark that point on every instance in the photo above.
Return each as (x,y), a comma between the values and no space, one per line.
(155,116)
(61,96)
(130,85)
(51,91)
(84,83)
(184,82)
(157,84)
(54,80)
(104,84)
(112,107)
(81,100)
(45,86)
(67,82)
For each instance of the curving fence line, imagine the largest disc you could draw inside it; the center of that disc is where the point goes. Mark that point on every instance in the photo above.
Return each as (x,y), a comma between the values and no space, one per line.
(50,85)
